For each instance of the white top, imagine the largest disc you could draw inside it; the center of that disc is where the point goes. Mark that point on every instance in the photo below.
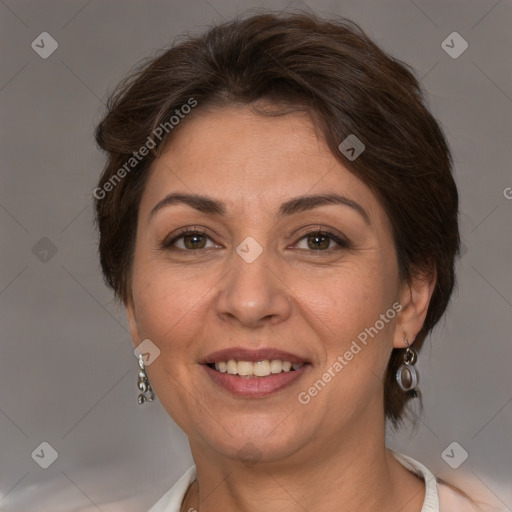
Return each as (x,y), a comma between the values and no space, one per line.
(438,497)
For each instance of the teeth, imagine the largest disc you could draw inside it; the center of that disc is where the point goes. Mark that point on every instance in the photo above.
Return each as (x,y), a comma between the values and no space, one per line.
(258,369)
(276,366)
(232,367)
(245,368)
(287,366)
(261,368)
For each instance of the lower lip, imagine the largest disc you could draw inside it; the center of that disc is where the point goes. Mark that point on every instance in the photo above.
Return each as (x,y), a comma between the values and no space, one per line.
(255,387)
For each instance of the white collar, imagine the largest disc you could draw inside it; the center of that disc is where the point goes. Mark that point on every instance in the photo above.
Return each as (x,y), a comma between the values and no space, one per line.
(431,501)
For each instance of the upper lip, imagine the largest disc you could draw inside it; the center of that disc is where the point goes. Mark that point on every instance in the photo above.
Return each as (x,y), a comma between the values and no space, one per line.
(253,355)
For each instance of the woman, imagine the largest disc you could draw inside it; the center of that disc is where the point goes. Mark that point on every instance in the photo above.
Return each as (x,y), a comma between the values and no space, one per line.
(279,217)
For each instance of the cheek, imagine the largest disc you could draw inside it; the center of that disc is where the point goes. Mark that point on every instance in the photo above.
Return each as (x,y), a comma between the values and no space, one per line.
(356,344)
(167,306)
(350,299)
(345,313)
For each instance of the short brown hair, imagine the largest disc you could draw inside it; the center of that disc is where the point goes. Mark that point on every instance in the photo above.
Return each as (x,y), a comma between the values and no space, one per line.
(333,70)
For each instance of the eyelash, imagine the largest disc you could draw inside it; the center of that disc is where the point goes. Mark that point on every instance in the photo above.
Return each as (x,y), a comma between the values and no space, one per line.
(342,243)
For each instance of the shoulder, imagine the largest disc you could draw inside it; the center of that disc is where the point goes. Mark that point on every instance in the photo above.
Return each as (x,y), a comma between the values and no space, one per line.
(441,496)
(171,500)
(452,500)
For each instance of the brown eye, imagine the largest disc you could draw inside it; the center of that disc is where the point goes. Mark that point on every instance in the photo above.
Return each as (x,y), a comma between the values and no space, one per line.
(317,242)
(196,241)
(322,241)
(189,240)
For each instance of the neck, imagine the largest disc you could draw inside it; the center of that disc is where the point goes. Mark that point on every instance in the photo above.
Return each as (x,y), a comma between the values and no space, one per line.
(344,475)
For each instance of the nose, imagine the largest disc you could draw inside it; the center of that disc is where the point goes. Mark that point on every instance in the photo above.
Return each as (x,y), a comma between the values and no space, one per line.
(254,294)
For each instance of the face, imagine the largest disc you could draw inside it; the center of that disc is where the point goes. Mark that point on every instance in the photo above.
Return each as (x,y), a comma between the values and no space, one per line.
(255,249)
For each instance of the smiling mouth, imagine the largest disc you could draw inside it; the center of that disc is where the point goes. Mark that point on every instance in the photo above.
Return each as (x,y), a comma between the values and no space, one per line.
(257,369)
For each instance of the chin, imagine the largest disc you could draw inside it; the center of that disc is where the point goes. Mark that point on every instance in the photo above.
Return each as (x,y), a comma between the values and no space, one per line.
(270,440)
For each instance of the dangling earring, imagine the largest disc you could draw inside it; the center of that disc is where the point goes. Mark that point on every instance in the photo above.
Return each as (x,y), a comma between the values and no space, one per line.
(143,384)
(406,375)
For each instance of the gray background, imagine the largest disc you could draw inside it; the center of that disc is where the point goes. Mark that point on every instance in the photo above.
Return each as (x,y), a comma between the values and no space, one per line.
(67,371)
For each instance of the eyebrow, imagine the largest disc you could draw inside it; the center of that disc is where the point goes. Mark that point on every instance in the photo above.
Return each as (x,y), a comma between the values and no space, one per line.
(295,205)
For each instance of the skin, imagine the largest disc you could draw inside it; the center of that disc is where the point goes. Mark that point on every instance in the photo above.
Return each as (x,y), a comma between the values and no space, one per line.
(294,297)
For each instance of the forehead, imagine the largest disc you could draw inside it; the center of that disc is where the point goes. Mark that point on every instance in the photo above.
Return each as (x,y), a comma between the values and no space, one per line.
(245,158)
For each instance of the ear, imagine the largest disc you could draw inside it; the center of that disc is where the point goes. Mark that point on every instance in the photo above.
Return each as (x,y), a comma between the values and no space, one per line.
(415,298)
(132,321)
